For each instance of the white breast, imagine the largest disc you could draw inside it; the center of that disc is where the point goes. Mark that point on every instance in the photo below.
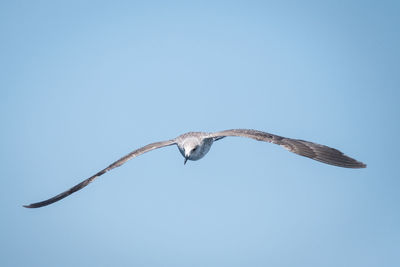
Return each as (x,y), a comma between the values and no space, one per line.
(202,149)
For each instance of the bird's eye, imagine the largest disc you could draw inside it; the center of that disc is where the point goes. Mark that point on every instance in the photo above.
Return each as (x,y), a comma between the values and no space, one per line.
(194,149)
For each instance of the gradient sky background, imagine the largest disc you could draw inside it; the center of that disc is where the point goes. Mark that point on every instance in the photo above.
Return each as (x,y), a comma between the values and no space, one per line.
(85,82)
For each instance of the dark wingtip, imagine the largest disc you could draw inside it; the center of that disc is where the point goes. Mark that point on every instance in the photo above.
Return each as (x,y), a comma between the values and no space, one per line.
(356,165)
(362,165)
(34,205)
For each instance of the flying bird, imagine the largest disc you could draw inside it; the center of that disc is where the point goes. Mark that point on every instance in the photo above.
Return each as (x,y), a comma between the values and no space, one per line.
(195,145)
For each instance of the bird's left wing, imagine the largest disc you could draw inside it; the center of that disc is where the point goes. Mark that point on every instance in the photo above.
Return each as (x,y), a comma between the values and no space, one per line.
(304,148)
(117,163)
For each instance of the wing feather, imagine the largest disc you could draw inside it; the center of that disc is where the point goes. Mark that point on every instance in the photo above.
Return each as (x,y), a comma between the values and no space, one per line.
(308,149)
(115,164)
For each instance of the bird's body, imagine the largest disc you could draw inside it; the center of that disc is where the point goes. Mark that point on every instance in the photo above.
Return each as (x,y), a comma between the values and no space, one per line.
(195,145)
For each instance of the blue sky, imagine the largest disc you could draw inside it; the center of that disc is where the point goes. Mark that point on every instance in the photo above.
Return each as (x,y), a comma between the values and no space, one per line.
(85,82)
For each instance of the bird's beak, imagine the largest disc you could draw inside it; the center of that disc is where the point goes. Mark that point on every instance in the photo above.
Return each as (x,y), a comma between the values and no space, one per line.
(184,162)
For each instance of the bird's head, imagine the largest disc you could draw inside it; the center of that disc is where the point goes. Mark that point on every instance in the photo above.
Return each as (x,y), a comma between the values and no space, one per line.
(191,149)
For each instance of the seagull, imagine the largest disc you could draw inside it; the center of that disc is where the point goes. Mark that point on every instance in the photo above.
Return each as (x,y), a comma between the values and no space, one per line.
(195,145)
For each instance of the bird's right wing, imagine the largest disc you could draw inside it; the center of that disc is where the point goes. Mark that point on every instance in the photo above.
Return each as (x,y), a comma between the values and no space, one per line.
(308,149)
(116,164)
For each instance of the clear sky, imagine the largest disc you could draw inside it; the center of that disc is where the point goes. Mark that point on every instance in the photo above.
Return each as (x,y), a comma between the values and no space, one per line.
(85,82)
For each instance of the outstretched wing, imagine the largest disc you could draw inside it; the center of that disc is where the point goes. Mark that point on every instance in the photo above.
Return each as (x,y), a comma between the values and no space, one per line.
(311,150)
(118,163)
